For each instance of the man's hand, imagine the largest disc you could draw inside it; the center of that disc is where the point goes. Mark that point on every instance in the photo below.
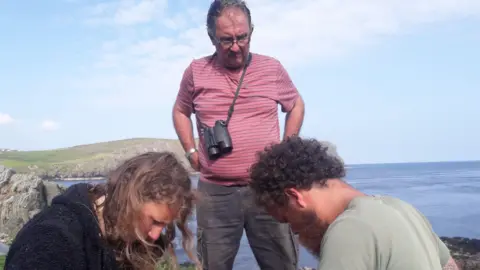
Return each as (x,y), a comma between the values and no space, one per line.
(194,161)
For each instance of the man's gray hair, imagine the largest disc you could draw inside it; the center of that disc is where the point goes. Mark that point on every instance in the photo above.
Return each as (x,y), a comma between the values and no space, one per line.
(216,9)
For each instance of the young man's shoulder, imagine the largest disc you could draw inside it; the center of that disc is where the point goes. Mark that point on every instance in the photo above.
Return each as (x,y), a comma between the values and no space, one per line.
(387,227)
(380,211)
(367,210)
(385,219)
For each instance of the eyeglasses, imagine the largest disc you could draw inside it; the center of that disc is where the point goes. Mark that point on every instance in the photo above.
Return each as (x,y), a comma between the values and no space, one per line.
(228,42)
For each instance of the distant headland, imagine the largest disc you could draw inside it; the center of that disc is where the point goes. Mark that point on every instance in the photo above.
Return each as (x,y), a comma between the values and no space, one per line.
(90,161)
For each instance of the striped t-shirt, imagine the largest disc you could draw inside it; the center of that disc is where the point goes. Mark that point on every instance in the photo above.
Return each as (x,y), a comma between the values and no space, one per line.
(207,89)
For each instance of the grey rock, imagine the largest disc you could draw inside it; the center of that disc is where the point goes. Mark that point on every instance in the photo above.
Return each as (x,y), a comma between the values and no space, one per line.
(5,175)
(22,196)
(465,251)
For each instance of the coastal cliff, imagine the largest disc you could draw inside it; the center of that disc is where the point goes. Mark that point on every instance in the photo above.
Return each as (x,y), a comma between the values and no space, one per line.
(21,197)
(85,161)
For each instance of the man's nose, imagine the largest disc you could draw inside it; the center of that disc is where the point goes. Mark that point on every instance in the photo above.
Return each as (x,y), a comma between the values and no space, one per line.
(235,47)
(155,232)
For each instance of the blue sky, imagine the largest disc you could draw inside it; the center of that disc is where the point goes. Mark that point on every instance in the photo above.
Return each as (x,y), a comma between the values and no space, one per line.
(386,81)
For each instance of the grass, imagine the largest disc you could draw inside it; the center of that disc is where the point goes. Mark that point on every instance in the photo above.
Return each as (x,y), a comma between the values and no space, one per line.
(2,261)
(84,158)
(22,159)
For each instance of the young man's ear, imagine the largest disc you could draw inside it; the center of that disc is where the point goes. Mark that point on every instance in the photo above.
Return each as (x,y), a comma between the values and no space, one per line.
(295,197)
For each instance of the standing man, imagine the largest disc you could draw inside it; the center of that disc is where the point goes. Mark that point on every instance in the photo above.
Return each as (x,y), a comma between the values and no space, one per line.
(235,95)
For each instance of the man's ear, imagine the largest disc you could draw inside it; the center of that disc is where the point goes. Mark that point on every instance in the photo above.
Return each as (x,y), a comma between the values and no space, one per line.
(212,39)
(296,197)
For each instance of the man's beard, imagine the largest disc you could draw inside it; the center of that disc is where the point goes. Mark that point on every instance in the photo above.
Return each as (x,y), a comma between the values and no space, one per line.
(311,234)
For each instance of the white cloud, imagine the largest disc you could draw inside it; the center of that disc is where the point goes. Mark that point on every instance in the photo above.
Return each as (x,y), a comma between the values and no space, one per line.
(126,12)
(5,119)
(134,71)
(50,125)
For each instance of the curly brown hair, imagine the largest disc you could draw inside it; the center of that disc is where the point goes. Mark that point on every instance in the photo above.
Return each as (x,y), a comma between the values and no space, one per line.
(150,177)
(293,163)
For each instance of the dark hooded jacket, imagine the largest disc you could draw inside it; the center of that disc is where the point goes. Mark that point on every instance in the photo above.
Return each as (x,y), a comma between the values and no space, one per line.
(64,236)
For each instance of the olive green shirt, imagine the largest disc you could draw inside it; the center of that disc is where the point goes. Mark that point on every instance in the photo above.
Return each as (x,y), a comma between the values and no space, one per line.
(381,233)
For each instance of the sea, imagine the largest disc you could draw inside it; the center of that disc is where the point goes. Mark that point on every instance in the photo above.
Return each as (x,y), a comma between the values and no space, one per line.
(448,194)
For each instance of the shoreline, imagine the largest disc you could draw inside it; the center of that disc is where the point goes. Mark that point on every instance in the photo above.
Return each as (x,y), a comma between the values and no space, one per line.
(465,251)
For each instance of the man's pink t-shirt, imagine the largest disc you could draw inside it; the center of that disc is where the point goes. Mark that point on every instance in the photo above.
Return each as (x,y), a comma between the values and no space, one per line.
(207,90)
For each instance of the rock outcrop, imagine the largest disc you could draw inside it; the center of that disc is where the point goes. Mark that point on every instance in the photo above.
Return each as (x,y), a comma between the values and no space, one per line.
(466,251)
(21,197)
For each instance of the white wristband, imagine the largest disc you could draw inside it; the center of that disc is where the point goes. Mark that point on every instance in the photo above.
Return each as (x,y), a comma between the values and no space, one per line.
(189,153)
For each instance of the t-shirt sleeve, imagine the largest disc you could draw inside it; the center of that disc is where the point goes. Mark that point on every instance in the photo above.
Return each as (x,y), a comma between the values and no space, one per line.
(349,244)
(287,92)
(44,247)
(444,252)
(184,101)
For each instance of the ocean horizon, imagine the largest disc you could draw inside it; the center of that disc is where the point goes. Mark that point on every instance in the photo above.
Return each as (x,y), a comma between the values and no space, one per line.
(443,191)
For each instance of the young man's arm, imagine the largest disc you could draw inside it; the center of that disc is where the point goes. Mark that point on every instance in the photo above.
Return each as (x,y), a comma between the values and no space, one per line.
(290,101)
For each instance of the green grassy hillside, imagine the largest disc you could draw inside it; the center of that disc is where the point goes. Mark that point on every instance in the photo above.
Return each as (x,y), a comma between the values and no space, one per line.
(91,160)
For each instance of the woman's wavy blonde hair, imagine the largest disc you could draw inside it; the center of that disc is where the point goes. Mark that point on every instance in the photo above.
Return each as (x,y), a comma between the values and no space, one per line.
(150,177)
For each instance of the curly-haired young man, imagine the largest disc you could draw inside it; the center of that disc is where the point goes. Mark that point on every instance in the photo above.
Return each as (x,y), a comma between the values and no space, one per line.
(300,183)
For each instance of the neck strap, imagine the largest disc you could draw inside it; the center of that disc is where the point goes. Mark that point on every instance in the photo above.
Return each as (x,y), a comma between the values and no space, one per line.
(230,110)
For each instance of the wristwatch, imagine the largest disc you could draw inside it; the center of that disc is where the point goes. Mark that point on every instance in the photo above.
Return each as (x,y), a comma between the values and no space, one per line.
(190,152)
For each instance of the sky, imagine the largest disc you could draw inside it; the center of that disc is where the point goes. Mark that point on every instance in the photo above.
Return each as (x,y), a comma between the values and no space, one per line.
(384,80)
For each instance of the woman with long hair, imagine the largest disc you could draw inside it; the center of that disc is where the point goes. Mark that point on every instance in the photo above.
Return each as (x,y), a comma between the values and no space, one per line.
(127,223)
